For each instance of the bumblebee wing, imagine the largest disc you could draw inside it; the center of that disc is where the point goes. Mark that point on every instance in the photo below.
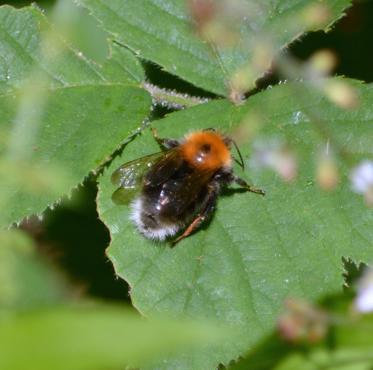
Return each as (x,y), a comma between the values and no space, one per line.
(190,189)
(129,175)
(185,193)
(164,168)
(123,196)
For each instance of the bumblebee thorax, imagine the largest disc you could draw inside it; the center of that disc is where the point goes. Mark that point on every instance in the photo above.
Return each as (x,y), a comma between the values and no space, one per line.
(206,150)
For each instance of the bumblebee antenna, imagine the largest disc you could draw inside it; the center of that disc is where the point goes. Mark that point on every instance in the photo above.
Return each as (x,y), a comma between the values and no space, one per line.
(240,162)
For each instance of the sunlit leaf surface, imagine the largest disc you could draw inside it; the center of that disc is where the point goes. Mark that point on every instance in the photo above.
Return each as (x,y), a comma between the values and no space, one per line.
(162,31)
(257,250)
(61,115)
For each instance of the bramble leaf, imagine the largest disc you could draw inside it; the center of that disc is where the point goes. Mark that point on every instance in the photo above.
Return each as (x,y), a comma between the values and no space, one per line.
(163,32)
(257,250)
(62,116)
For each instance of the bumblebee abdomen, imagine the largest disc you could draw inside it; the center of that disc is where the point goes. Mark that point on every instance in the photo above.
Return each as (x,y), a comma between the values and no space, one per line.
(150,221)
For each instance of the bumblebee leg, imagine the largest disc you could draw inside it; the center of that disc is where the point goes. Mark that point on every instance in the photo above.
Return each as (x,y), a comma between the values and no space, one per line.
(208,208)
(246,186)
(193,226)
(165,144)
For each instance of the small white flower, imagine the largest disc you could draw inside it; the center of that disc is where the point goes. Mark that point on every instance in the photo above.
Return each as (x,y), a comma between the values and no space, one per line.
(276,156)
(364,298)
(362,180)
(362,177)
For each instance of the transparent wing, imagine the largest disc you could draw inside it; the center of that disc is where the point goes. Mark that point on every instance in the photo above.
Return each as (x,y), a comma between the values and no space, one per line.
(129,175)
(123,196)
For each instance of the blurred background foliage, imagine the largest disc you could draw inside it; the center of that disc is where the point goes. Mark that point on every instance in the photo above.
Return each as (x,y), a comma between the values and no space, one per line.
(56,252)
(75,223)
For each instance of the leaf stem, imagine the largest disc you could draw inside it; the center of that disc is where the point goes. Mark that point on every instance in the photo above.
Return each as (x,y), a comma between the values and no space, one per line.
(172,99)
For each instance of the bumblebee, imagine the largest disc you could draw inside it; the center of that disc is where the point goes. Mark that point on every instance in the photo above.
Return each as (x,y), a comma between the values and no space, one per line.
(179,186)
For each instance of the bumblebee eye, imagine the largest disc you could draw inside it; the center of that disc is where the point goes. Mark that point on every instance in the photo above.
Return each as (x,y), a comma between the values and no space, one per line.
(205,148)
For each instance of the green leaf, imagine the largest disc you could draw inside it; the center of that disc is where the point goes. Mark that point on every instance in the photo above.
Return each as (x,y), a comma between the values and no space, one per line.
(22,34)
(65,120)
(123,66)
(26,282)
(257,250)
(162,31)
(96,337)
(78,130)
